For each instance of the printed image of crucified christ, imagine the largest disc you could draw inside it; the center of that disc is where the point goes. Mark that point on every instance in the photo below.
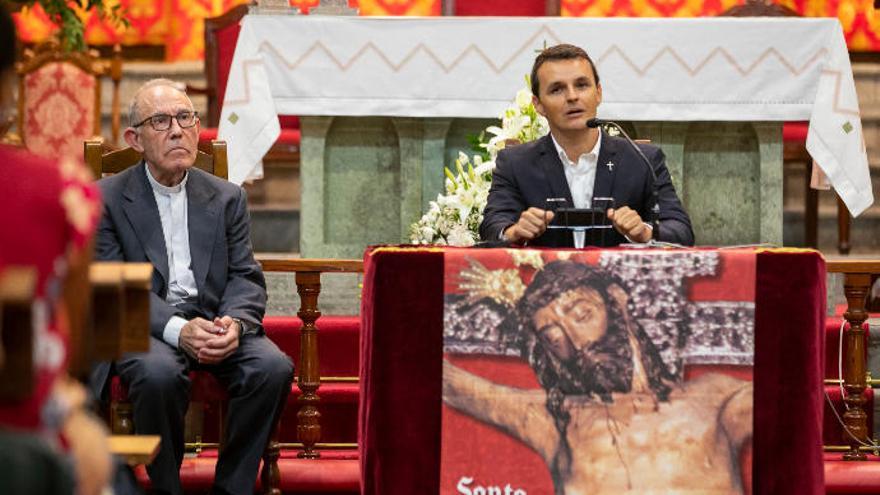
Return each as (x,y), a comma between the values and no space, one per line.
(608,418)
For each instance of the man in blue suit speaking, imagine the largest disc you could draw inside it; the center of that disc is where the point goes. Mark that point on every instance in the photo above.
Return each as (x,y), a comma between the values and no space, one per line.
(208,293)
(578,163)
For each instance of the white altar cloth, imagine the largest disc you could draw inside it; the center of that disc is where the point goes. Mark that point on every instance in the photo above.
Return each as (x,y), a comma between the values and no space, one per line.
(704,69)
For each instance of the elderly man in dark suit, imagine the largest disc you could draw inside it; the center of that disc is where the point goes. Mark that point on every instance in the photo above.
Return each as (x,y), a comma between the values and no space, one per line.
(208,296)
(578,164)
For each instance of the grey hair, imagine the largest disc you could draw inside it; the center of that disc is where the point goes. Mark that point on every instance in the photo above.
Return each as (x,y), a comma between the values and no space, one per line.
(134,115)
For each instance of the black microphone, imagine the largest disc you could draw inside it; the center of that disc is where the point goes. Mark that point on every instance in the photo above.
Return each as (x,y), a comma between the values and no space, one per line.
(655,208)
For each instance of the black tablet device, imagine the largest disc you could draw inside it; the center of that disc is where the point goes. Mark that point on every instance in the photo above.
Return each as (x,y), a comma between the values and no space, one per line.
(580,217)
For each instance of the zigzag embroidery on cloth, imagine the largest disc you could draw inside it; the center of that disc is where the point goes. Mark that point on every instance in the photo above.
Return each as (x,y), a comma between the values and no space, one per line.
(527,46)
(836,74)
(267,47)
(693,71)
(743,69)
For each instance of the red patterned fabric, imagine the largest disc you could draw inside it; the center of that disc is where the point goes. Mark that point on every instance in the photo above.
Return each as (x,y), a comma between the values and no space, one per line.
(174,24)
(177,24)
(399,7)
(526,8)
(401,349)
(50,212)
(59,110)
(304,5)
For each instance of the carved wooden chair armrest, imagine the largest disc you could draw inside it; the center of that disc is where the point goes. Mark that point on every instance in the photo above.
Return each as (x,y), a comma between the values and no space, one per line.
(858,276)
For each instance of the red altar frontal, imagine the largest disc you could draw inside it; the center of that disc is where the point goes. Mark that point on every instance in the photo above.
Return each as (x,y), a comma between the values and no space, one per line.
(402,356)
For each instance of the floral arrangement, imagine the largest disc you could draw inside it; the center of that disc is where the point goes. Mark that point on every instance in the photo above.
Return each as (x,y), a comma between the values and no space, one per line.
(454,218)
(68,14)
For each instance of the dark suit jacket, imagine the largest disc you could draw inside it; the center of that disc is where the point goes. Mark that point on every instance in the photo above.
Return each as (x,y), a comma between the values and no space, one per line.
(527,174)
(228,278)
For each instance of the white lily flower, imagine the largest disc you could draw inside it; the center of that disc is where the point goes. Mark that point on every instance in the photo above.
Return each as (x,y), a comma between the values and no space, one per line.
(455,217)
(461,236)
(523,98)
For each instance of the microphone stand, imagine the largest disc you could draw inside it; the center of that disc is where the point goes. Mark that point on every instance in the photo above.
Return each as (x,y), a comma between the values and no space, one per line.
(654,219)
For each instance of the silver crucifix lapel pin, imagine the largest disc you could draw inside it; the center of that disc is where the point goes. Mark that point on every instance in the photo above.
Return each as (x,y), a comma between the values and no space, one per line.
(610,166)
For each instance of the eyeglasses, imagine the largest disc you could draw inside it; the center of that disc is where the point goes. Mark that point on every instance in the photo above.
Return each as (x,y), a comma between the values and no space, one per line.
(162,121)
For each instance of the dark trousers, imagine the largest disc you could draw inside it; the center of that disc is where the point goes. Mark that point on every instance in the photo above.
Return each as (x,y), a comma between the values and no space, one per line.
(257,377)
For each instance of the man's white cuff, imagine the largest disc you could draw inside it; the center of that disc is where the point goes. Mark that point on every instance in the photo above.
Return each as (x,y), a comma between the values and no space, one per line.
(649,227)
(501,236)
(171,334)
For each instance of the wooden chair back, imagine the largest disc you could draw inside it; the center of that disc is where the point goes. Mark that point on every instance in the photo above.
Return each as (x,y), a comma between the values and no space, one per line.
(59,102)
(101,161)
(17,290)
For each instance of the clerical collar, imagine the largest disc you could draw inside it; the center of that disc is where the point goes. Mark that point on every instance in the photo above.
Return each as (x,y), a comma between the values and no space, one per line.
(161,188)
(561,152)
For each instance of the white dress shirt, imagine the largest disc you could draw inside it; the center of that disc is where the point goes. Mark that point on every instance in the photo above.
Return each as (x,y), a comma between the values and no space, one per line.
(580,175)
(175,227)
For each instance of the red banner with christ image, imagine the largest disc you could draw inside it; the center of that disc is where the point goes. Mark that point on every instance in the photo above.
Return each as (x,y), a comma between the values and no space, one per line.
(597,371)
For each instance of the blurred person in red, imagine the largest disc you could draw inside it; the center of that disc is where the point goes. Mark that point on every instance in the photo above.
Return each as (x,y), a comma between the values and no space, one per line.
(49,442)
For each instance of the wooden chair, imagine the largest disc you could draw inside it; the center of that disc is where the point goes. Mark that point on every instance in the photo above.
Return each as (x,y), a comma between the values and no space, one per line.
(794,141)
(102,162)
(59,103)
(17,286)
(221,35)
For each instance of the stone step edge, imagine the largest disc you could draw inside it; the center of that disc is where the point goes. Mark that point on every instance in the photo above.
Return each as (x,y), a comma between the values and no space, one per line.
(830,211)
